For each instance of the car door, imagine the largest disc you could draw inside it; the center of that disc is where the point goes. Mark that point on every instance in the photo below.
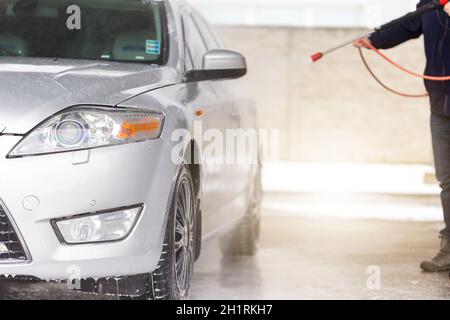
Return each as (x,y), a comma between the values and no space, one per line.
(215,188)
(234,176)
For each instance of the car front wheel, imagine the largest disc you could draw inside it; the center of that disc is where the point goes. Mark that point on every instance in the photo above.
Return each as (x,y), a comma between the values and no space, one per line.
(172,278)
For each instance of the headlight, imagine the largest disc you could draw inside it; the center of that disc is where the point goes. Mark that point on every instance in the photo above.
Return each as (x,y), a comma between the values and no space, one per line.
(99,227)
(87,128)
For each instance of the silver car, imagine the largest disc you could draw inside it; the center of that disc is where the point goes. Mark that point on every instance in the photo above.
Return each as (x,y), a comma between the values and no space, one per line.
(104,179)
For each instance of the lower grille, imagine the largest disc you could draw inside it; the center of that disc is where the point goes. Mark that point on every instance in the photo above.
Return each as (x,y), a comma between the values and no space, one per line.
(11,248)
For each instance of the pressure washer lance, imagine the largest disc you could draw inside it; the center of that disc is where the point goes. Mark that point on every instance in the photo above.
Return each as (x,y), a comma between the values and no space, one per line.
(434,5)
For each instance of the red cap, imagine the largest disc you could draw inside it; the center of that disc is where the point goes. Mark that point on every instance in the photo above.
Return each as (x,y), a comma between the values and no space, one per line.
(443,2)
(317,56)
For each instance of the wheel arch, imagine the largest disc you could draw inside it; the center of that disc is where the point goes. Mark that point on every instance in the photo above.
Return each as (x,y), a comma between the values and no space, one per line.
(192,158)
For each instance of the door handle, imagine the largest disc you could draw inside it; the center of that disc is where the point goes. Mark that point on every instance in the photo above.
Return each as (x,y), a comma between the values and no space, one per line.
(235,112)
(236,117)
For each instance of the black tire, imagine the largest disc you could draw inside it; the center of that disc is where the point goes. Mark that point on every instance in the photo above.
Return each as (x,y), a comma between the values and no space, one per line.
(257,198)
(198,233)
(172,278)
(243,240)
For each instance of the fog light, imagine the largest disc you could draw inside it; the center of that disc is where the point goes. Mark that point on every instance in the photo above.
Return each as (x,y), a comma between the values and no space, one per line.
(99,227)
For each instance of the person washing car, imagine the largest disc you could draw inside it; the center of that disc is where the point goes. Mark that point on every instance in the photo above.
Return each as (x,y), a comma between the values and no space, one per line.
(435,26)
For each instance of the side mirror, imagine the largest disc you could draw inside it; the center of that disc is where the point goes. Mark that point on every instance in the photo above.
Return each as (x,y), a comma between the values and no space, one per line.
(219,64)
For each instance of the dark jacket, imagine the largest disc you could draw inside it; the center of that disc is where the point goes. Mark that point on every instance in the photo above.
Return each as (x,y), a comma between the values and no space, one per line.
(435,26)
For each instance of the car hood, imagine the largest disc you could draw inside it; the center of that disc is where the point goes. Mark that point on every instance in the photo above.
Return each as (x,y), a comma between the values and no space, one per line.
(31,90)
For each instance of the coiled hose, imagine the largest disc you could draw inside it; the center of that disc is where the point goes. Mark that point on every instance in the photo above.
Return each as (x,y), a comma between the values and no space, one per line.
(398,66)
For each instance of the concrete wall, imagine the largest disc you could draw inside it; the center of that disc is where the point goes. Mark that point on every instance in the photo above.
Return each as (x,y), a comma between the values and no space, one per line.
(333,110)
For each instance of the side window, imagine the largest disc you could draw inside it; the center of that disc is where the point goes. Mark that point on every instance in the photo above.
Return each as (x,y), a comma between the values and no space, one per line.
(209,35)
(195,45)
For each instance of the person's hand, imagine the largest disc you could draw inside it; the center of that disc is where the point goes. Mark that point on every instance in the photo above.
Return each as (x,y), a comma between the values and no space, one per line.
(447,8)
(361,43)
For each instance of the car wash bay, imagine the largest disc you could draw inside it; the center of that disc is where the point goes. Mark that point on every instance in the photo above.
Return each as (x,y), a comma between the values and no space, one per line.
(318,243)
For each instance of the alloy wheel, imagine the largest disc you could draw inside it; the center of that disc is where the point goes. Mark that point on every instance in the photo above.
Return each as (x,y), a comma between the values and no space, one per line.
(184,236)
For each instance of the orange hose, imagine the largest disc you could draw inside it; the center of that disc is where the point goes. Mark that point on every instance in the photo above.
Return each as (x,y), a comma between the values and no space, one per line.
(395,64)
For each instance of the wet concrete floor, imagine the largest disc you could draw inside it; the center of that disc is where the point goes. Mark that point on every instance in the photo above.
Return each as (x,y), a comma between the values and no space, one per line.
(307,258)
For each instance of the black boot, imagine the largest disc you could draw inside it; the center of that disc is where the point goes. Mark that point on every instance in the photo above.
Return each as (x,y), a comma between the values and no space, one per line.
(441,262)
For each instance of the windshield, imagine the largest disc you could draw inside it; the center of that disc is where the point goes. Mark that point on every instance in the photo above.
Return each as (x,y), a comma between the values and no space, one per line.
(111,30)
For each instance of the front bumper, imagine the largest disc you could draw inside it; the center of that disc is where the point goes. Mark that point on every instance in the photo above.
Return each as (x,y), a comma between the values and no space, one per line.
(81,182)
